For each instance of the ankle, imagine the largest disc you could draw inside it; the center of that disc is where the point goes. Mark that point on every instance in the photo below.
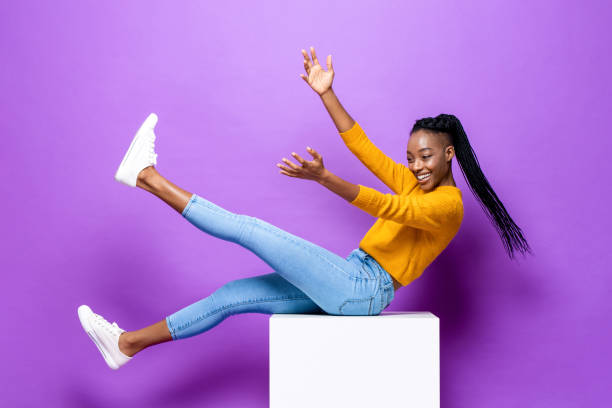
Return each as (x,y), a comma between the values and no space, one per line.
(146,177)
(127,345)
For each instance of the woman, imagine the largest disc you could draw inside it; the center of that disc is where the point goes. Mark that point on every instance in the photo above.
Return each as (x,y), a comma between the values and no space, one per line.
(414,225)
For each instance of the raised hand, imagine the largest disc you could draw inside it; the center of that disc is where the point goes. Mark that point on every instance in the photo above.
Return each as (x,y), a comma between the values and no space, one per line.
(310,170)
(318,79)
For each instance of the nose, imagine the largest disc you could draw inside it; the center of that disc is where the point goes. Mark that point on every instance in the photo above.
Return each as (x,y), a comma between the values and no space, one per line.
(417,165)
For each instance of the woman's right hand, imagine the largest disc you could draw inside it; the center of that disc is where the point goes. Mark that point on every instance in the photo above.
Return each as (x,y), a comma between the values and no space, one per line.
(310,170)
(318,79)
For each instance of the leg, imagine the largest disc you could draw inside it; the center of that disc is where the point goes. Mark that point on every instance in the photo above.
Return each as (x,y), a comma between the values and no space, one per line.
(150,180)
(336,284)
(267,294)
(132,342)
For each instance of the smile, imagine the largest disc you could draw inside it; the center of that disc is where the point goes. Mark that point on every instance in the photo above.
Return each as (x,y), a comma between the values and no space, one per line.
(424,177)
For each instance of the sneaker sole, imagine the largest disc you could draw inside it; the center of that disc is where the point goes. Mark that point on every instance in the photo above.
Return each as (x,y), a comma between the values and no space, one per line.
(148,124)
(84,314)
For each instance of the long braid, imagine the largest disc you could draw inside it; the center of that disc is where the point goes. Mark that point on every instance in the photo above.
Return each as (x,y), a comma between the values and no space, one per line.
(509,232)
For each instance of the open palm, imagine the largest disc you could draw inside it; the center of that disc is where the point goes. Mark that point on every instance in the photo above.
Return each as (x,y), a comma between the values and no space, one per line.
(310,170)
(318,79)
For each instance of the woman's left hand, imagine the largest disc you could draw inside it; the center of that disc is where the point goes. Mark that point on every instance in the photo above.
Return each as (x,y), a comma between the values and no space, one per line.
(310,170)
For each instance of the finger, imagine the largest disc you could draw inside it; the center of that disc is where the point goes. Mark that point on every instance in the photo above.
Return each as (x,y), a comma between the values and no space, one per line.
(314,56)
(313,153)
(304,77)
(306,67)
(298,158)
(285,168)
(290,163)
(329,63)
(306,59)
(287,174)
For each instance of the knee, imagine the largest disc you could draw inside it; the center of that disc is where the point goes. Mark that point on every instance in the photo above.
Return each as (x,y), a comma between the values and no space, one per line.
(230,291)
(223,291)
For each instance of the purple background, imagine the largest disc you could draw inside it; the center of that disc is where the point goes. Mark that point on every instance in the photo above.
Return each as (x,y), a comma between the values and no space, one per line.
(530,83)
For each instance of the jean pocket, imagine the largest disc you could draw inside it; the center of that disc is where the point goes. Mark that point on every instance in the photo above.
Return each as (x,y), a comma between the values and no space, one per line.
(357,307)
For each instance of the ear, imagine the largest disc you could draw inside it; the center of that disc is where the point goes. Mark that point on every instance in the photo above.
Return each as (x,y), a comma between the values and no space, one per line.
(449,152)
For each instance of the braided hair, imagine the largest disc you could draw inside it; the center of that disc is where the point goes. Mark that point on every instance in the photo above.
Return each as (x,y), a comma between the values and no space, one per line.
(509,232)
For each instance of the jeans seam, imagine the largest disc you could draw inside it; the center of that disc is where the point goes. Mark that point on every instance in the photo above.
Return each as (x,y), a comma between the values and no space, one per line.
(187,210)
(171,327)
(364,267)
(388,295)
(381,291)
(221,309)
(215,208)
(358,300)
(272,230)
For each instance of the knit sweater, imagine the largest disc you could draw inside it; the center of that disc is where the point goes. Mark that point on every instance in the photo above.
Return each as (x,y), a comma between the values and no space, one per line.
(413,226)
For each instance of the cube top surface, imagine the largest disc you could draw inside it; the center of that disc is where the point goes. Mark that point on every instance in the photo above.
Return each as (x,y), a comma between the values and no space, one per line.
(383,315)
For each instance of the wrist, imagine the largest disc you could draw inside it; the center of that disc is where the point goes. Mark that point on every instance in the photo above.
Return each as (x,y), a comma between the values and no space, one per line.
(324,177)
(327,93)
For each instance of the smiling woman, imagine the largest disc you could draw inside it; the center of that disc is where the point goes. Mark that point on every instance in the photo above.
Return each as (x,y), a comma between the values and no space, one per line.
(429,157)
(416,224)
(413,227)
(445,137)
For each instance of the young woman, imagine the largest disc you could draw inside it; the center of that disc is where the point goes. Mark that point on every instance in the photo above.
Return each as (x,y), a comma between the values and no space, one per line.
(414,225)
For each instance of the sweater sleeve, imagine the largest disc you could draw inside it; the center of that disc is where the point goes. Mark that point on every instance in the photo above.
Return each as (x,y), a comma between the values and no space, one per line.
(395,175)
(431,211)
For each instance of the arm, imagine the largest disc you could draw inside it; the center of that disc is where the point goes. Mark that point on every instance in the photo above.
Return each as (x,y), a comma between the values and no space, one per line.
(396,176)
(430,211)
(343,188)
(339,115)
(393,174)
(320,81)
(315,170)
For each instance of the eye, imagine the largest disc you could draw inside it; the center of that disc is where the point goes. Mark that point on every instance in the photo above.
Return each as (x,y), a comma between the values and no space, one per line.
(426,157)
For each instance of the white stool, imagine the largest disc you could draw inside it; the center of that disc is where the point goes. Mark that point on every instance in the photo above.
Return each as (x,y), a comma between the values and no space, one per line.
(321,361)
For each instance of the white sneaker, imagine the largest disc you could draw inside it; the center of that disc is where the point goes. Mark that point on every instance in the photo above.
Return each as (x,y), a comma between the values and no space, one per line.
(140,154)
(105,335)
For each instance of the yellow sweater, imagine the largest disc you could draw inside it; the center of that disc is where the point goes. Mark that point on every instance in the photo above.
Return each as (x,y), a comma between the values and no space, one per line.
(414,226)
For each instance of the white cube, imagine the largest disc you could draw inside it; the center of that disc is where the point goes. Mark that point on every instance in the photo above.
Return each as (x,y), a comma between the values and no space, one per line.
(320,361)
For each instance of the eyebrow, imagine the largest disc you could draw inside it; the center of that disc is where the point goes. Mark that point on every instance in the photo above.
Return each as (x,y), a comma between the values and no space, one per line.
(425,148)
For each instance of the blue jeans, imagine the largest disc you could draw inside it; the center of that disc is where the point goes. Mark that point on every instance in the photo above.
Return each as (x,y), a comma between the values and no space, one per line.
(307,278)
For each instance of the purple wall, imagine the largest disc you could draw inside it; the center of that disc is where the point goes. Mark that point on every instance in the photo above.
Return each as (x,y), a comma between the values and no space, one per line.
(530,83)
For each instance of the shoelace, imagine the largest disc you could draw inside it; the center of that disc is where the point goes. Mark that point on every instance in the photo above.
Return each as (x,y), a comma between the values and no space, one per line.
(102,322)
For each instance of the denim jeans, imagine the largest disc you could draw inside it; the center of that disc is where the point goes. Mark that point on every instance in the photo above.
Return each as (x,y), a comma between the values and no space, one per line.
(306,279)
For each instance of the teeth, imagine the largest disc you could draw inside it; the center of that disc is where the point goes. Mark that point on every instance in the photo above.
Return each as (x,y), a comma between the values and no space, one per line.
(423,176)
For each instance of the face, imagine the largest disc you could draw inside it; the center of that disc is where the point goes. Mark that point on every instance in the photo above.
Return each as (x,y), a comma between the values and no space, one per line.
(429,154)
